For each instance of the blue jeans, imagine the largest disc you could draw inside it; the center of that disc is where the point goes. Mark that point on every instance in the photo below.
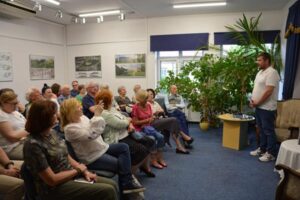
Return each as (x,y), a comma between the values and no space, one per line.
(116,159)
(180,116)
(265,120)
(151,132)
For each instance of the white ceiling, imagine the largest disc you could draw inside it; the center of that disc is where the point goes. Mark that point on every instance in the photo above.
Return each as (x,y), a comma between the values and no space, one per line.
(146,8)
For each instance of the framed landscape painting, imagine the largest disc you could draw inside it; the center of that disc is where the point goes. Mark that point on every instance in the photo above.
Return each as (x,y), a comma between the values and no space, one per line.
(41,67)
(88,67)
(130,65)
(6,68)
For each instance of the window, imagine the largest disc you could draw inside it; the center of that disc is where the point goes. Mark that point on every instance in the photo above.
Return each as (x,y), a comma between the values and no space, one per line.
(174,61)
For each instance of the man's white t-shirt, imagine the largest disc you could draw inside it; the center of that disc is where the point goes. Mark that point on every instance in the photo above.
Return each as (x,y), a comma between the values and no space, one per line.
(17,121)
(267,77)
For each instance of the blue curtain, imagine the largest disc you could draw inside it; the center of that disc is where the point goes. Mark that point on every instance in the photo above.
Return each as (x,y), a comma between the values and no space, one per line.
(292,50)
(221,38)
(179,42)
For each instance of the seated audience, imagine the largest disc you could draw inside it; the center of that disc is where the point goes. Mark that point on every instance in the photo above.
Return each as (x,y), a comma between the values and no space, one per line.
(32,95)
(114,103)
(85,137)
(165,124)
(158,112)
(11,186)
(117,130)
(88,101)
(46,156)
(12,124)
(55,87)
(136,88)
(175,105)
(65,94)
(141,112)
(49,95)
(81,94)
(123,101)
(75,90)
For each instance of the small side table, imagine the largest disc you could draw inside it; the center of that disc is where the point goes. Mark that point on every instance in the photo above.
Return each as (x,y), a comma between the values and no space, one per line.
(235,131)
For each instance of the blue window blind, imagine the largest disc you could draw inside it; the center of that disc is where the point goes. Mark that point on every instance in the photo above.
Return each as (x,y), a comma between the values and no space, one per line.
(179,42)
(221,38)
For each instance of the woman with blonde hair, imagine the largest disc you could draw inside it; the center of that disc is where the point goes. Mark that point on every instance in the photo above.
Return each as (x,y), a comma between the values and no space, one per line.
(85,137)
(119,129)
(52,168)
(12,125)
(143,116)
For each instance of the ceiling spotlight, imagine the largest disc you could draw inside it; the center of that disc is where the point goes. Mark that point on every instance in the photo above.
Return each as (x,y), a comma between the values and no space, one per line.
(100,19)
(122,17)
(37,7)
(83,21)
(59,14)
(75,20)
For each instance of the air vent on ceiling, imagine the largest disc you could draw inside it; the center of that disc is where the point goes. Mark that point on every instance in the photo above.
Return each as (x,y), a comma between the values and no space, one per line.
(10,9)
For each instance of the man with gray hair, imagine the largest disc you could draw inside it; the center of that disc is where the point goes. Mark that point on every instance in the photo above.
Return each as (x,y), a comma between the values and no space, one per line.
(65,94)
(88,101)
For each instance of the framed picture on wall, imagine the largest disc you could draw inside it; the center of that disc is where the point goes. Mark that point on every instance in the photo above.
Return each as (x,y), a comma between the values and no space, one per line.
(41,67)
(88,67)
(130,65)
(6,68)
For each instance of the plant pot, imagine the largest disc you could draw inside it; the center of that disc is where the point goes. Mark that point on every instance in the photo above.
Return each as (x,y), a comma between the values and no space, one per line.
(204,125)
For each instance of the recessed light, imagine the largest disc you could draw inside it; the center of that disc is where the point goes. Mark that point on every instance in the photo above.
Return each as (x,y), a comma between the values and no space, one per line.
(194,5)
(96,14)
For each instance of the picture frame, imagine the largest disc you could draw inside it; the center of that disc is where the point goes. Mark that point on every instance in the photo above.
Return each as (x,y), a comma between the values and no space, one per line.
(130,65)
(6,67)
(88,67)
(41,67)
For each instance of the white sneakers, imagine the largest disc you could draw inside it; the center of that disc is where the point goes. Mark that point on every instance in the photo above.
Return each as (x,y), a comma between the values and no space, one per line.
(266,157)
(263,157)
(256,152)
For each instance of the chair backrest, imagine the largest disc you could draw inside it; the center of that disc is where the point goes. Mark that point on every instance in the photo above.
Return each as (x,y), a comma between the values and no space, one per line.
(103,173)
(71,150)
(161,102)
(30,191)
(289,186)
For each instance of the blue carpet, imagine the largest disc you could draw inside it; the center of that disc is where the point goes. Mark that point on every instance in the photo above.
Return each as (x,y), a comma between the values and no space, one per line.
(212,172)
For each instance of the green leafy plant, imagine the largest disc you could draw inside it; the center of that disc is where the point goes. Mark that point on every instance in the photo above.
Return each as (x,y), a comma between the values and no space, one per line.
(213,84)
(253,41)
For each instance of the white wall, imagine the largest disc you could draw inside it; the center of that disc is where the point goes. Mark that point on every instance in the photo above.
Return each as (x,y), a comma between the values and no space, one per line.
(108,39)
(133,36)
(22,38)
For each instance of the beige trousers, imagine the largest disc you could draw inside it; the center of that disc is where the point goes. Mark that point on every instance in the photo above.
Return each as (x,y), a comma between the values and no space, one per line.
(11,188)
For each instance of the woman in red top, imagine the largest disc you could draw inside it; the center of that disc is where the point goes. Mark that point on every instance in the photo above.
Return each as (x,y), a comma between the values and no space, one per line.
(142,118)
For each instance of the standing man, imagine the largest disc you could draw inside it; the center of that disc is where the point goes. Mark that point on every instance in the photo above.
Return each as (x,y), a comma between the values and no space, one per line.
(264,100)
(74,91)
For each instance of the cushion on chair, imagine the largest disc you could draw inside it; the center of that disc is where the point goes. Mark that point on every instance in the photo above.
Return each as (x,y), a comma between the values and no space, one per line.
(288,116)
(282,134)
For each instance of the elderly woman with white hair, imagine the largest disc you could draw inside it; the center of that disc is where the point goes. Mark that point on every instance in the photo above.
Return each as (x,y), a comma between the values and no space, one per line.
(32,94)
